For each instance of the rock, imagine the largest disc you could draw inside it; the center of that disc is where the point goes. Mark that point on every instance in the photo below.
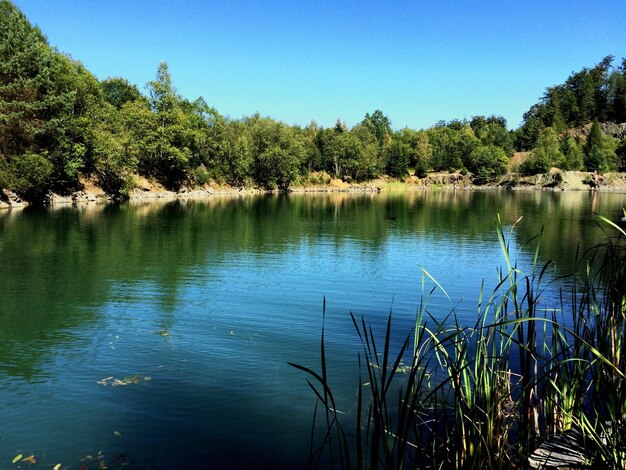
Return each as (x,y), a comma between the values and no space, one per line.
(55,199)
(560,452)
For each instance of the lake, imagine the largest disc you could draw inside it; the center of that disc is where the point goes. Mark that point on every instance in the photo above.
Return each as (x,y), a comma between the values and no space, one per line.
(157,335)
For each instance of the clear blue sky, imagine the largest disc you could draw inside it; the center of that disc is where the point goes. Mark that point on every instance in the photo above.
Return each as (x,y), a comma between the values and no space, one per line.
(419,62)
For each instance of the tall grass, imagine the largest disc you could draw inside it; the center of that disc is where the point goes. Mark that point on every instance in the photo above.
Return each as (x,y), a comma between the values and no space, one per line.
(487,395)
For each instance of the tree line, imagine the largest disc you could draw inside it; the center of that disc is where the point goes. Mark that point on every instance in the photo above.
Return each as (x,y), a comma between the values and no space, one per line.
(59,123)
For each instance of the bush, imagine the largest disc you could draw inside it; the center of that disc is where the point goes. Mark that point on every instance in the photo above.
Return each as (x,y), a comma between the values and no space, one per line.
(200,175)
(536,163)
(318,178)
(487,162)
(30,176)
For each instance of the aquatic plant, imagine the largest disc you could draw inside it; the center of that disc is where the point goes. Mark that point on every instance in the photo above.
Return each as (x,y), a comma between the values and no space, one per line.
(489,394)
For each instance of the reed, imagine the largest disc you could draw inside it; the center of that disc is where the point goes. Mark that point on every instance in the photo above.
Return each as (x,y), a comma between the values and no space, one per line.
(486,395)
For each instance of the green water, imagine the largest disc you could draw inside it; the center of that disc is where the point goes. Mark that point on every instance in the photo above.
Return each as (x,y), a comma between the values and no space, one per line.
(203,303)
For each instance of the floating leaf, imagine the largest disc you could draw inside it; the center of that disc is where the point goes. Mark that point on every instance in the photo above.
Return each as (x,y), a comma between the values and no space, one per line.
(117,433)
(127,380)
(56,467)
(17,457)
(31,459)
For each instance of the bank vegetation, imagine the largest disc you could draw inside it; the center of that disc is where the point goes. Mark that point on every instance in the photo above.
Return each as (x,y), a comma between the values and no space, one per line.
(60,126)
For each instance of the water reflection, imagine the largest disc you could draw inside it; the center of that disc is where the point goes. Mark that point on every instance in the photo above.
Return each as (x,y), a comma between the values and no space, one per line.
(237,282)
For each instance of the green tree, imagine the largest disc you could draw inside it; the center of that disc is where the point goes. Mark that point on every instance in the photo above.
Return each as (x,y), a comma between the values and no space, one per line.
(325,141)
(546,155)
(573,157)
(29,175)
(444,152)
(378,125)
(110,139)
(236,154)
(487,162)
(534,122)
(422,154)
(278,153)
(164,131)
(492,131)
(118,91)
(620,153)
(594,156)
(399,155)
(44,97)
(370,164)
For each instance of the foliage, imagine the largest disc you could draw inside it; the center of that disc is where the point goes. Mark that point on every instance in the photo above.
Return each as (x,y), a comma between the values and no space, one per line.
(43,96)
(493,131)
(118,91)
(592,94)
(572,154)
(594,157)
(423,154)
(378,125)
(486,162)
(29,176)
(546,155)
(277,152)
(50,105)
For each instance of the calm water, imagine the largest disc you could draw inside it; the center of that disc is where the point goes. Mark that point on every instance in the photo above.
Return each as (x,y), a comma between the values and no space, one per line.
(205,302)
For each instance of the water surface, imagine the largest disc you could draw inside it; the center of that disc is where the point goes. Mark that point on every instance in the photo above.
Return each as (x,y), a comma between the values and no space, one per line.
(203,303)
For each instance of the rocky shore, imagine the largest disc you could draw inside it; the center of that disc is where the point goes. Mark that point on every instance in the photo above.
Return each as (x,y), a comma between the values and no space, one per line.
(555,180)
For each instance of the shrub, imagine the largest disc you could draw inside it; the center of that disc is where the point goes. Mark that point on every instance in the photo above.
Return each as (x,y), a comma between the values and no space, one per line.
(487,162)
(200,175)
(30,176)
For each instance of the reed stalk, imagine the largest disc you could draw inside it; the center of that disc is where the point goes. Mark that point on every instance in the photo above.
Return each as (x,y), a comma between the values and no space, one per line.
(484,396)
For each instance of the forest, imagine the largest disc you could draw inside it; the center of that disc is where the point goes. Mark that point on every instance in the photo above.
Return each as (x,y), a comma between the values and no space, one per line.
(59,124)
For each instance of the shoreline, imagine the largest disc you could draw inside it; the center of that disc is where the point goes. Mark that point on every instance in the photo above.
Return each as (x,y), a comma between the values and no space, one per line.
(555,180)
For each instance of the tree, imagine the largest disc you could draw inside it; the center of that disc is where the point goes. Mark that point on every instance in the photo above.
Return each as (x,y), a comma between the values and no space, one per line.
(444,152)
(399,155)
(44,100)
(546,155)
(423,152)
(492,131)
(572,154)
(620,152)
(370,164)
(164,131)
(278,153)
(594,157)
(349,154)
(378,125)
(534,122)
(236,154)
(110,140)
(29,175)
(118,91)
(452,145)
(487,162)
